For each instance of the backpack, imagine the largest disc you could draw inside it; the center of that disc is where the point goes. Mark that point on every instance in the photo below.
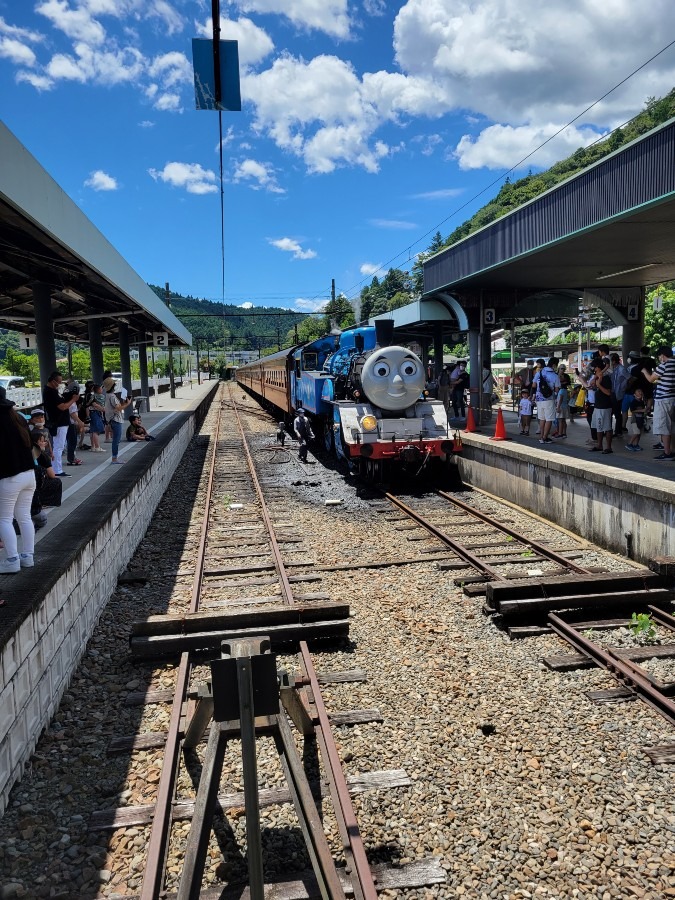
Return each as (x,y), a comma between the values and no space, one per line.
(545,388)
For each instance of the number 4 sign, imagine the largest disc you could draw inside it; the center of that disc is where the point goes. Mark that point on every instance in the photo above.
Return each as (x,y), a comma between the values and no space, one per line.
(28,342)
(633,312)
(160,338)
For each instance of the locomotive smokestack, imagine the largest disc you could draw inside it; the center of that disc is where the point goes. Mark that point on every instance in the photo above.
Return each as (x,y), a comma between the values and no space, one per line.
(358,343)
(384,332)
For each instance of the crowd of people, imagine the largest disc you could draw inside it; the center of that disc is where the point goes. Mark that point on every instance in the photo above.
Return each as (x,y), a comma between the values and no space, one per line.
(32,447)
(616,399)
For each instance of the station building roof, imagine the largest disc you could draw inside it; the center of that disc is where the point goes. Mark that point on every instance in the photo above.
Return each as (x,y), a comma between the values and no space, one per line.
(45,237)
(610,226)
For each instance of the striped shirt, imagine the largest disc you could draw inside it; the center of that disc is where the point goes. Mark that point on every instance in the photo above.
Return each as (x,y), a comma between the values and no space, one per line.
(665,386)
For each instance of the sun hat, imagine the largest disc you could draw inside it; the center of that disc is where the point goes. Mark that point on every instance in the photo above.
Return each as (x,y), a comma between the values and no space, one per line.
(108,385)
(36,412)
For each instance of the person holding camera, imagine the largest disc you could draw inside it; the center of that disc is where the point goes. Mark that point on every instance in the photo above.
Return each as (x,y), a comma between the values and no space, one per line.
(114,415)
(57,410)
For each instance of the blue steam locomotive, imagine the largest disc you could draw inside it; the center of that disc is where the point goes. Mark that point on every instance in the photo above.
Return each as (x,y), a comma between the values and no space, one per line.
(364,395)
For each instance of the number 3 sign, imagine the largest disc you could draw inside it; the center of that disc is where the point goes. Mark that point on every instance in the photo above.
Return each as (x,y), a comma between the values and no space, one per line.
(160,338)
(489,316)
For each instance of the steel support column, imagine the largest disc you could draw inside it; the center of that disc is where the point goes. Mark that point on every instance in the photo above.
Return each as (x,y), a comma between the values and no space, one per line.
(125,363)
(438,349)
(143,363)
(486,360)
(44,330)
(633,336)
(95,350)
(474,371)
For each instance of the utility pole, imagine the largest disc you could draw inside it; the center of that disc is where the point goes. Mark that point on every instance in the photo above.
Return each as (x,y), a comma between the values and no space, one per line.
(279,333)
(332,290)
(199,377)
(172,383)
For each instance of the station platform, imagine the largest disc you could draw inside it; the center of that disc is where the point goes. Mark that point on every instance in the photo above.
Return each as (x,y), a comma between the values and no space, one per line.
(86,480)
(576,446)
(48,612)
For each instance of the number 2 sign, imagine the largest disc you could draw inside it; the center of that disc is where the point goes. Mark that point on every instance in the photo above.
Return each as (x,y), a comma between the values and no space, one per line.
(160,338)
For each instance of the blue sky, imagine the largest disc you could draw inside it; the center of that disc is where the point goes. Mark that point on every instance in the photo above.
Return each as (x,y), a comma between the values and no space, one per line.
(365,126)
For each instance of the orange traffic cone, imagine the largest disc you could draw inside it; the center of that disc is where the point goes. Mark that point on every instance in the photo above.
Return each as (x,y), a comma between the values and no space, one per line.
(470,421)
(500,430)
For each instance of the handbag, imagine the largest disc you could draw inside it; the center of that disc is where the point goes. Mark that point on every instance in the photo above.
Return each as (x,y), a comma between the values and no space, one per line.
(580,402)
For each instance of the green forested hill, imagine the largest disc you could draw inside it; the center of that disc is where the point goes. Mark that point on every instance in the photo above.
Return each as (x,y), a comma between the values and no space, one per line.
(212,323)
(515,193)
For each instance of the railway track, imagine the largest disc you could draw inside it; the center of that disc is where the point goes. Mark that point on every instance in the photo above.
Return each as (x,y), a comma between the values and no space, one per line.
(566,598)
(259,561)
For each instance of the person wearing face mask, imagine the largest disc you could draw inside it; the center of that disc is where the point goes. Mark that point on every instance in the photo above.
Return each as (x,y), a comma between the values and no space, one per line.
(459,381)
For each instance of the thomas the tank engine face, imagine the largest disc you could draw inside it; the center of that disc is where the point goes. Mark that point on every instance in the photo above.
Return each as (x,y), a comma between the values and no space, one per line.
(392,378)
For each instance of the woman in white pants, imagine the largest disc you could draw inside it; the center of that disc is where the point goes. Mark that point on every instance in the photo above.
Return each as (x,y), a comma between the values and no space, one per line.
(17,486)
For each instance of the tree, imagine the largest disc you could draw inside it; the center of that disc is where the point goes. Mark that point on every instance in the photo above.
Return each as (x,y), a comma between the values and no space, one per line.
(660,324)
(401,298)
(308,330)
(24,364)
(528,335)
(340,312)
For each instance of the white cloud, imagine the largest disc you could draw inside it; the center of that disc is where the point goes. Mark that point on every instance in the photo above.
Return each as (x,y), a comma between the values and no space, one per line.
(304,305)
(329,16)
(369,268)
(168,103)
(254,43)
(375,7)
(146,123)
(171,69)
(39,82)
(17,52)
(75,23)
(440,194)
(92,64)
(288,245)
(247,305)
(22,34)
(101,181)
(257,175)
(396,224)
(191,176)
(498,144)
(172,21)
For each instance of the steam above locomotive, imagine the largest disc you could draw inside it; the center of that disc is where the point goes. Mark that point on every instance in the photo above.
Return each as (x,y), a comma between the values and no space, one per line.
(365,394)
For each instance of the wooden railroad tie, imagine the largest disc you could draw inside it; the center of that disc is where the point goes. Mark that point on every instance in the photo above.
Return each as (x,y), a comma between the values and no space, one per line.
(616,590)
(174,634)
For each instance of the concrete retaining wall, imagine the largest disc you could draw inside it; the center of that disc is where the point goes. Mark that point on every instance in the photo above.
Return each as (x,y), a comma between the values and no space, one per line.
(625,512)
(70,586)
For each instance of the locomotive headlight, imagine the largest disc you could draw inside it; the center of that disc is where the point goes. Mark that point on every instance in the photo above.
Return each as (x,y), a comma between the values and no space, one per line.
(368,423)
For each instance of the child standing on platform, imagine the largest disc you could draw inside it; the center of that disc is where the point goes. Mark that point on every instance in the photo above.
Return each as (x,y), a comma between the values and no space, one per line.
(525,411)
(636,423)
(562,405)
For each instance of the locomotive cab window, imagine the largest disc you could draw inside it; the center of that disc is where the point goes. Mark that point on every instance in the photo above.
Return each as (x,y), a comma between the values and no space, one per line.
(310,362)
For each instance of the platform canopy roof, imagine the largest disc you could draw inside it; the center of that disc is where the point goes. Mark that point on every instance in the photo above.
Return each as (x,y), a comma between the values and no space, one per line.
(45,237)
(610,226)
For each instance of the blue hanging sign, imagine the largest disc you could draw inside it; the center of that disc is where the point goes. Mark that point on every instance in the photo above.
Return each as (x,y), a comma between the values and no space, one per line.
(205,82)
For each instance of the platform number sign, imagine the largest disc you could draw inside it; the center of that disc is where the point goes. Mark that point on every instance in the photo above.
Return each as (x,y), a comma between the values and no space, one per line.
(28,341)
(160,338)
(633,312)
(489,316)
